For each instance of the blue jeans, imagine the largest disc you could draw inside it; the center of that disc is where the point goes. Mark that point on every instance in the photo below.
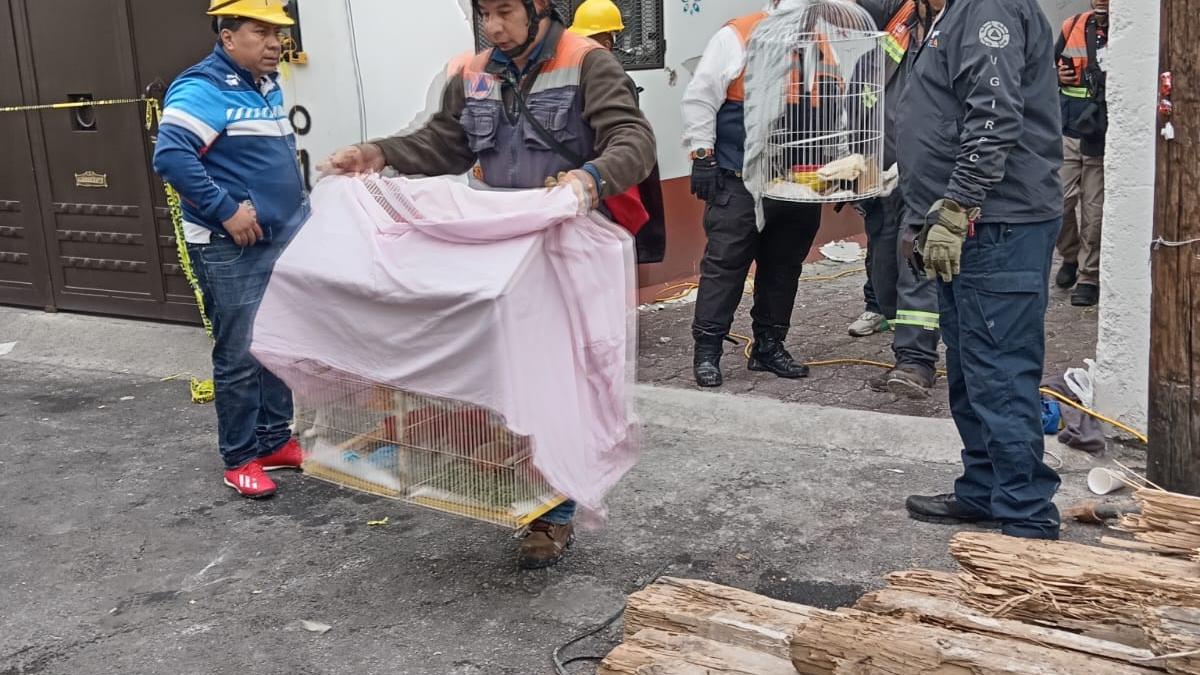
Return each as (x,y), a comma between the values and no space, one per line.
(993,319)
(254,408)
(561,514)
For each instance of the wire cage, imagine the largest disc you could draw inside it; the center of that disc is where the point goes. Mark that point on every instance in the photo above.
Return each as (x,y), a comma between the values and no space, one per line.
(818,76)
(437,453)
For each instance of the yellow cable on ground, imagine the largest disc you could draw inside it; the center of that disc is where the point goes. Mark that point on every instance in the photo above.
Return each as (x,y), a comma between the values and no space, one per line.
(880,364)
(1100,416)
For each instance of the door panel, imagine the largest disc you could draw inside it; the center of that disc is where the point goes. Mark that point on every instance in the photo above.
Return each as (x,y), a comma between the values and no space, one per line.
(24,274)
(168,38)
(101,237)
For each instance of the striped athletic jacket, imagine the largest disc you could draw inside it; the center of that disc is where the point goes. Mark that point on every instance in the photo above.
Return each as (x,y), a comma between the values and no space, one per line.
(224,140)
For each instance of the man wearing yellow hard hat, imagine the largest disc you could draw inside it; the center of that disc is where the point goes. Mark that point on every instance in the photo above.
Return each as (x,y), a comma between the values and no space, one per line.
(227,147)
(599,20)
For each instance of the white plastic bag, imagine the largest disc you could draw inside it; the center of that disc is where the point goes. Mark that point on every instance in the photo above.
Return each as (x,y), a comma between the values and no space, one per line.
(1079,381)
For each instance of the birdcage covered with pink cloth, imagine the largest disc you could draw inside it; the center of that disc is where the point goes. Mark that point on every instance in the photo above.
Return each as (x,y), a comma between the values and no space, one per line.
(465,350)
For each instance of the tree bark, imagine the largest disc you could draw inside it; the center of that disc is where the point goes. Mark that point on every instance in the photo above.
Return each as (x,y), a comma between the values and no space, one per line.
(868,644)
(716,612)
(952,615)
(1174,453)
(656,652)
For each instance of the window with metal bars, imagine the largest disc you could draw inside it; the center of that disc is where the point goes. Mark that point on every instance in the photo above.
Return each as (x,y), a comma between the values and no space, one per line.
(641,46)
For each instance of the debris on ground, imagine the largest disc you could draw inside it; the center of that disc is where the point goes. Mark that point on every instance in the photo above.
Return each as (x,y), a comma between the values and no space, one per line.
(1016,605)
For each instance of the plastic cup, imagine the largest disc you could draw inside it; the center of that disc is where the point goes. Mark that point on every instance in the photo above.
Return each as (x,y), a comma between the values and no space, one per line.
(1103,481)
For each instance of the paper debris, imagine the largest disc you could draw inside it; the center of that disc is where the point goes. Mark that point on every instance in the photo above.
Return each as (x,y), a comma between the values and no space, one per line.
(374,523)
(842,251)
(315,627)
(127,398)
(6,347)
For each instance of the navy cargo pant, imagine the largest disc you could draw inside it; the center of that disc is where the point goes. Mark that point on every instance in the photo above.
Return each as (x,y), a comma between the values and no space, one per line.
(893,289)
(993,324)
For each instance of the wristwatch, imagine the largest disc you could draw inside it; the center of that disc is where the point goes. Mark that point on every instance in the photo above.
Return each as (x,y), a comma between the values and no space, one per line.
(702,153)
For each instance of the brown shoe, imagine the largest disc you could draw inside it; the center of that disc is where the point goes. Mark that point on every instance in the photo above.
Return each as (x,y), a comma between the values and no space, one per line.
(879,382)
(544,544)
(908,383)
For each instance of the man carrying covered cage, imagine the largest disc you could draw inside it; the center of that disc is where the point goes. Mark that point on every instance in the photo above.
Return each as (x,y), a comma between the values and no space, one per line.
(527,111)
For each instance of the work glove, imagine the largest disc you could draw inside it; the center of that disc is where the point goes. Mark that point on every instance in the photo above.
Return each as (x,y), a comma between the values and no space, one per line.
(706,177)
(940,243)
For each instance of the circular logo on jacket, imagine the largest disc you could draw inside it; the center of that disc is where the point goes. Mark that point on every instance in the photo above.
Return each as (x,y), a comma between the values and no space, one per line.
(994,34)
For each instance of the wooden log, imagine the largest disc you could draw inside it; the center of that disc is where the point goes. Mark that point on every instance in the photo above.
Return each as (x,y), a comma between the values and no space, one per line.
(1173,456)
(716,612)
(863,644)
(656,652)
(1051,581)
(1169,522)
(964,588)
(1174,632)
(953,615)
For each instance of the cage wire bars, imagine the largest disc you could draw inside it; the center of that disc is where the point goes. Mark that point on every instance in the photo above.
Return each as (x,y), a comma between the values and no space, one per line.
(814,110)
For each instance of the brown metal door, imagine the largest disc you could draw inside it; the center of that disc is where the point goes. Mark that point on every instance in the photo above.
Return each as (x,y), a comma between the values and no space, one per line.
(169,37)
(24,274)
(94,178)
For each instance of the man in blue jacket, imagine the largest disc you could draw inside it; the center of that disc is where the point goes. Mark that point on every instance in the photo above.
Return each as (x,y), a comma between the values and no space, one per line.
(980,152)
(226,146)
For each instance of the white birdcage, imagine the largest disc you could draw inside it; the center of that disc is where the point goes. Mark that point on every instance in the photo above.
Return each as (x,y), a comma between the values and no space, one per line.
(814,112)
(438,453)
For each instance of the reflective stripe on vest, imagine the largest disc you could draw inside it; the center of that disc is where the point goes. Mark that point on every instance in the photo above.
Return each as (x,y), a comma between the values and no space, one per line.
(1075,32)
(564,69)
(826,69)
(1075,92)
(898,33)
(743,27)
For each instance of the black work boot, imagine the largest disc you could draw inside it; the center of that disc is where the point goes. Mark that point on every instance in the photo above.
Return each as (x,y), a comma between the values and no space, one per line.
(1085,295)
(706,361)
(768,355)
(945,510)
(1066,275)
(909,382)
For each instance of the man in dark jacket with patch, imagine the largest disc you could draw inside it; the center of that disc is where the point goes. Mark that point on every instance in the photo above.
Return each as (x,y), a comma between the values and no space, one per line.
(980,152)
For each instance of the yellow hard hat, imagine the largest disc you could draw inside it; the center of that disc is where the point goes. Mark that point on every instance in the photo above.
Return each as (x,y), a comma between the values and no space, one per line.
(597,16)
(267,11)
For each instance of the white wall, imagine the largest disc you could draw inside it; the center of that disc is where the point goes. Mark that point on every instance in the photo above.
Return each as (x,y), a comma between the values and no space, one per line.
(400,53)
(1123,351)
(1058,10)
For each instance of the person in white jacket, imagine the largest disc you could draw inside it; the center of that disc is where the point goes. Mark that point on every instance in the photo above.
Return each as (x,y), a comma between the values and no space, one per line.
(715,135)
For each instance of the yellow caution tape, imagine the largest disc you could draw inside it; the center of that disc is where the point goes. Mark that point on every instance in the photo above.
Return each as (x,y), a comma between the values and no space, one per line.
(203,391)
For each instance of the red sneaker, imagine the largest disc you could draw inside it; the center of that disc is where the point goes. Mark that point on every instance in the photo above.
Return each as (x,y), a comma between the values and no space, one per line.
(249,480)
(288,456)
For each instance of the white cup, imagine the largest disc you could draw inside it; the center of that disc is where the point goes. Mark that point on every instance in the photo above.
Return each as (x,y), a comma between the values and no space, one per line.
(1104,481)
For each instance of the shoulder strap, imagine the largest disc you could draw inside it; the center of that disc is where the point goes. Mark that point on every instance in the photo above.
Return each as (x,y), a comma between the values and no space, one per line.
(547,138)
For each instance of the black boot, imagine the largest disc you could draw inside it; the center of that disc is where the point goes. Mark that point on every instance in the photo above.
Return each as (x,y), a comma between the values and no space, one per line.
(1085,295)
(1066,275)
(769,355)
(944,509)
(706,361)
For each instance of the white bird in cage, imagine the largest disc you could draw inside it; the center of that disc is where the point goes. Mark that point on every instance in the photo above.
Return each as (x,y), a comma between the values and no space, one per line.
(814,94)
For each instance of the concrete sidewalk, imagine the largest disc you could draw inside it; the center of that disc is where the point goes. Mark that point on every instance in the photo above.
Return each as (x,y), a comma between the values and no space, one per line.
(122,552)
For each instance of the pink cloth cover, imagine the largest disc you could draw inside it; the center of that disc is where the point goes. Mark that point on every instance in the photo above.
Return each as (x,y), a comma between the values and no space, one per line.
(507,300)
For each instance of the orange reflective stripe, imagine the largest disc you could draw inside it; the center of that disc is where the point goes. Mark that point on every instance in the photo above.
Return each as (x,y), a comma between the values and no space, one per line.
(570,52)
(1075,32)
(898,33)
(744,27)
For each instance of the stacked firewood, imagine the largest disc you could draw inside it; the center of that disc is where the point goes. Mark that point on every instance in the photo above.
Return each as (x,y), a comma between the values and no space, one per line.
(1015,606)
